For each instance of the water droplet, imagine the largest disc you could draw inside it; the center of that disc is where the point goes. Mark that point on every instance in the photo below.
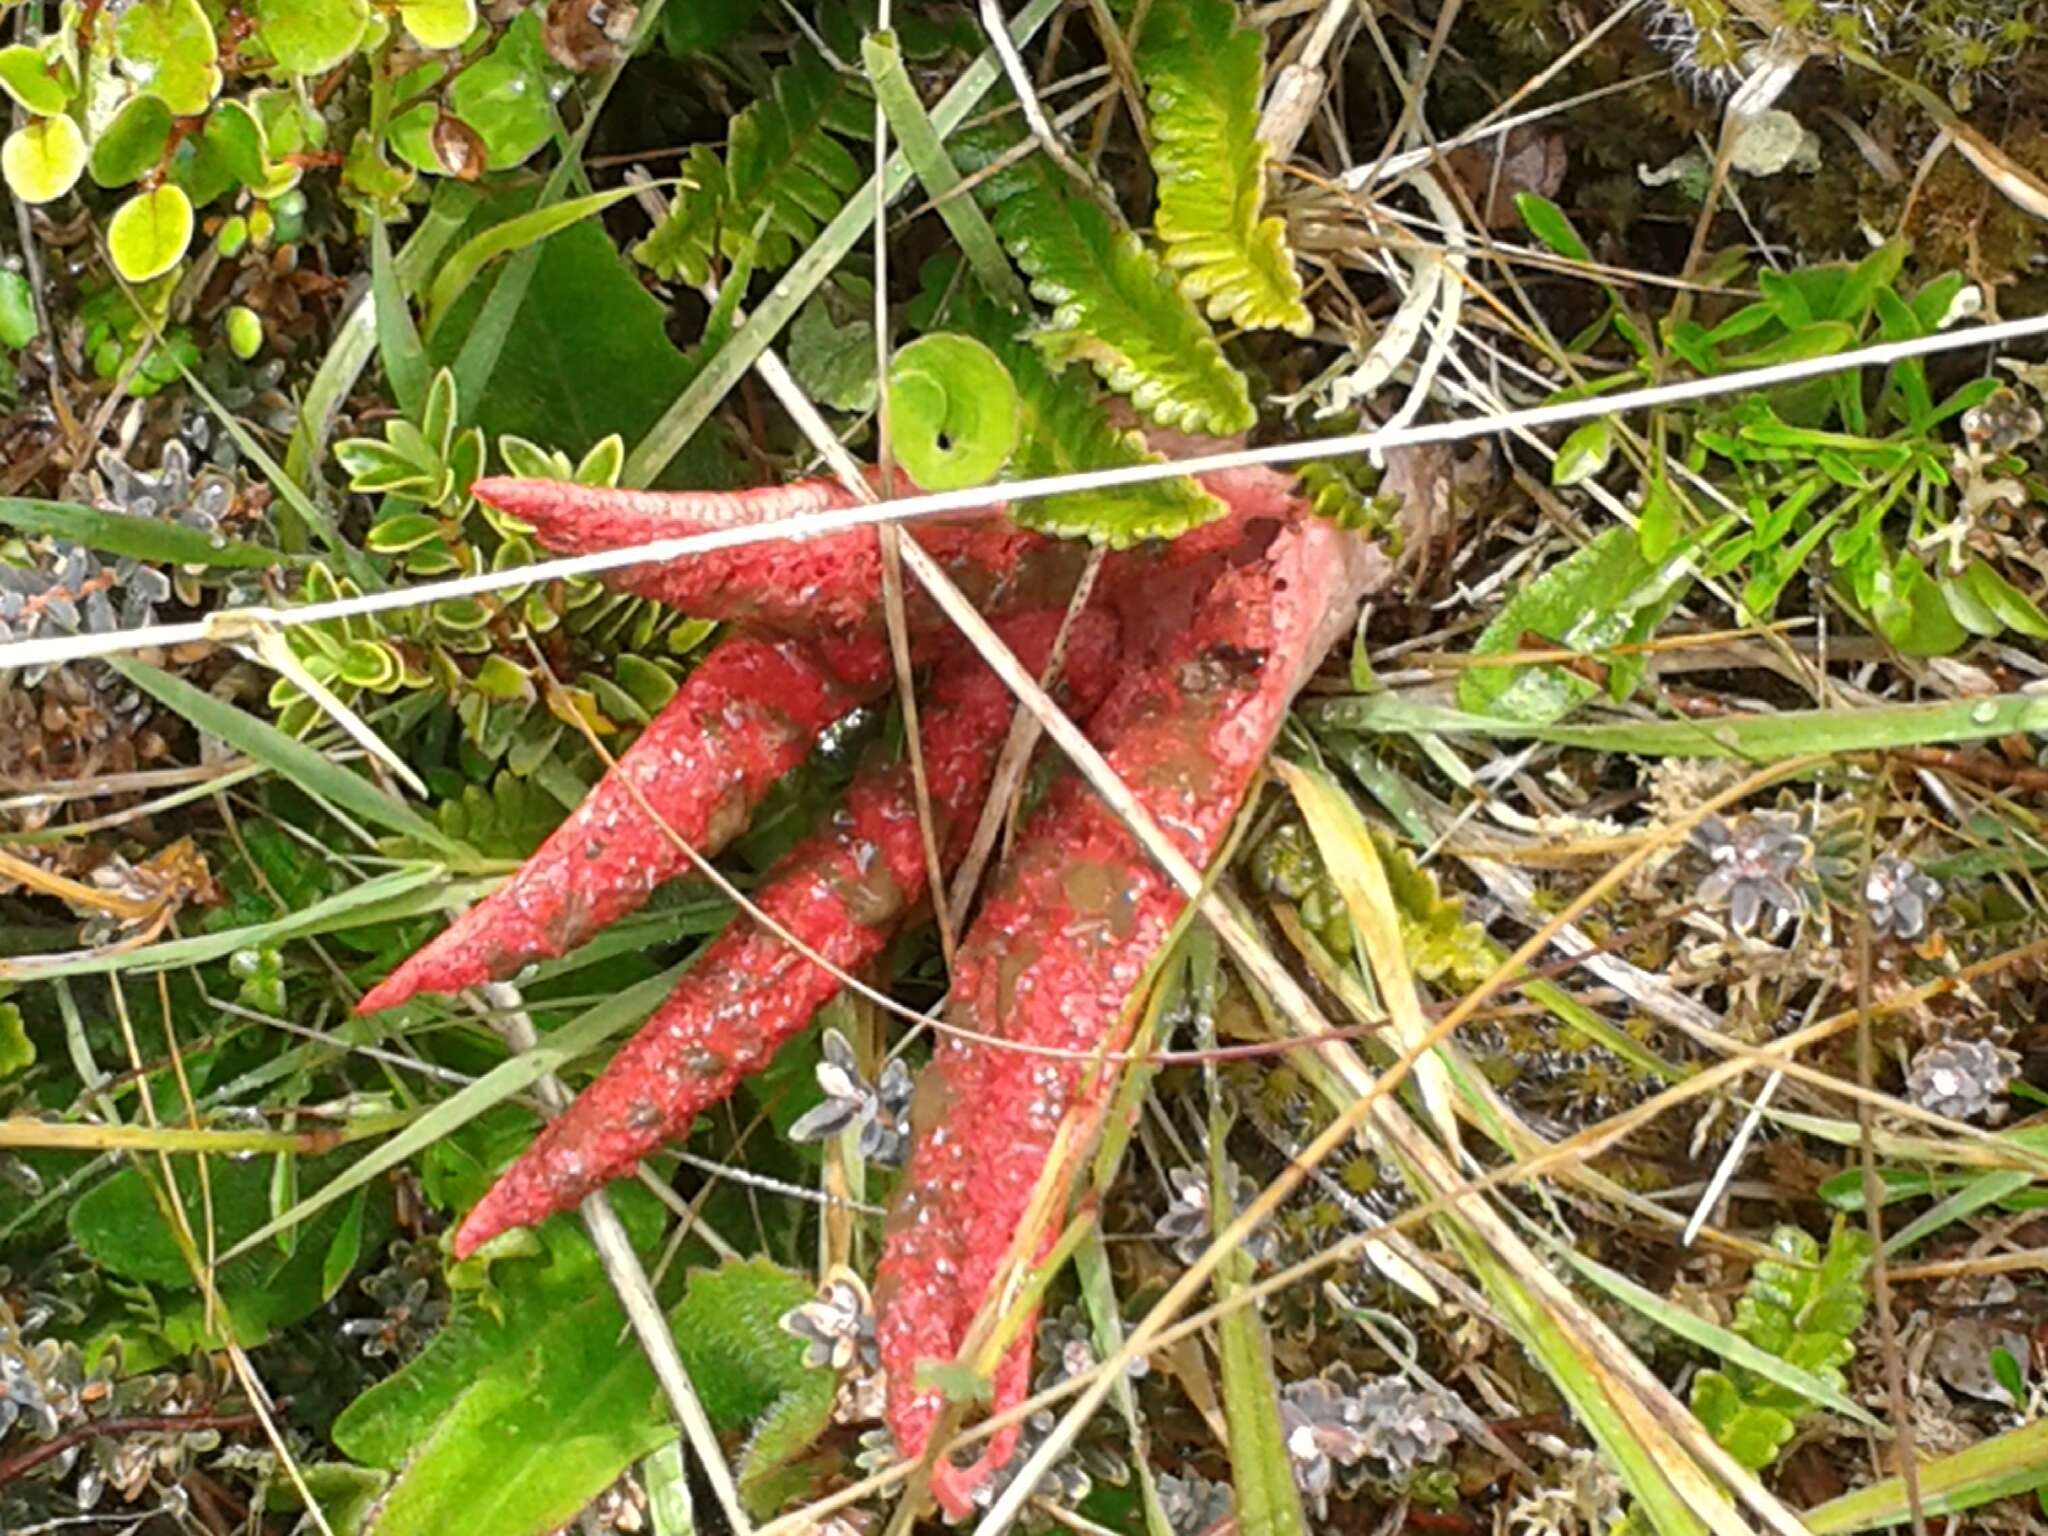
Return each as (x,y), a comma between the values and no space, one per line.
(1985,713)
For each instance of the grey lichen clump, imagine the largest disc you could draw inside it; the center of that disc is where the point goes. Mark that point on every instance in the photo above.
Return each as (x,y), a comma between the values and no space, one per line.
(1962,1079)
(880,1109)
(1334,1421)
(1899,897)
(1757,863)
(78,593)
(1187,1223)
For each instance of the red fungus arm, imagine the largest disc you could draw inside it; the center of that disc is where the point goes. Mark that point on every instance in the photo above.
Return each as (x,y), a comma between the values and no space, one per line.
(843,893)
(797,585)
(745,717)
(1075,918)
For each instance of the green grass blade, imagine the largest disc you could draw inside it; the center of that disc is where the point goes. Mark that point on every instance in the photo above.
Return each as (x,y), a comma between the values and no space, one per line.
(1695,1329)
(376,900)
(936,172)
(265,743)
(693,407)
(1268,1503)
(521,232)
(1988,1189)
(154,539)
(2012,1463)
(355,339)
(563,1046)
(398,339)
(1756,738)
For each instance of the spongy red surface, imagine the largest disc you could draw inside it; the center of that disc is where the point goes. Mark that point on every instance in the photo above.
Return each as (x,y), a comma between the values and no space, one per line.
(746,716)
(842,893)
(1078,914)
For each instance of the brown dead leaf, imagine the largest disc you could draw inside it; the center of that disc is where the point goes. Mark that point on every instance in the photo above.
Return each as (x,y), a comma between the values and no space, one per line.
(586,35)
(1529,159)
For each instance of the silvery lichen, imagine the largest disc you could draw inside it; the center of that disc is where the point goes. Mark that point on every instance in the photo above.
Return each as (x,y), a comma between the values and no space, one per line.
(1962,1079)
(1899,897)
(1756,863)
(1193,1505)
(880,1109)
(1187,1223)
(1333,1421)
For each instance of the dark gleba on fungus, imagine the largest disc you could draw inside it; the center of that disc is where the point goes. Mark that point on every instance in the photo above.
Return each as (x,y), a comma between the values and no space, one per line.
(1181,667)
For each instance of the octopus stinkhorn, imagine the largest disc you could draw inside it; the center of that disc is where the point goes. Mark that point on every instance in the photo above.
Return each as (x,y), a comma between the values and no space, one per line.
(1182,666)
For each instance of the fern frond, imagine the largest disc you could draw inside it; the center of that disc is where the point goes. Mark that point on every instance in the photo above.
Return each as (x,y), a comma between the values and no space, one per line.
(1203,73)
(1064,429)
(1114,305)
(783,159)
(681,245)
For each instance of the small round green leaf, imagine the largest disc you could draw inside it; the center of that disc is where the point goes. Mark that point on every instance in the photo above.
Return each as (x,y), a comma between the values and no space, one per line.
(245,332)
(133,144)
(310,37)
(18,323)
(505,97)
(1584,454)
(438,23)
(44,159)
(167,48)
(25,75)
(237,136)
(149,233)
(953,411)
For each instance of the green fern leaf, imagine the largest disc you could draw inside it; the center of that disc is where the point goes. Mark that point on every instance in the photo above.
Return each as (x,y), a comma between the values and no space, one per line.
(783,160)
(682,245)
(1203,75)
(1064,430)
(1804,1309)
(1114,305)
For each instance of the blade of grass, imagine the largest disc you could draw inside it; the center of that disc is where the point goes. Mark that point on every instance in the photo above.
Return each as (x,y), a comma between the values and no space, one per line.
(1345,842)
(154,539)
(398,340)
(2012,1463)
(376,900)
(478,359)
(1974,1196)
(356,338)
(518,233)
(301,764)
(936,173)
(1261,1472)
(1695,1329)
(588,1031)
(1759,738)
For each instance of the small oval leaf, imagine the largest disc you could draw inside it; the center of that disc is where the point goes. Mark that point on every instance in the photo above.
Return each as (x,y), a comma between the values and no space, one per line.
(167,48)
(310,37)
(44,159)
(438,23)
(132,144)
(1584,454)
(25,75)
(149,233)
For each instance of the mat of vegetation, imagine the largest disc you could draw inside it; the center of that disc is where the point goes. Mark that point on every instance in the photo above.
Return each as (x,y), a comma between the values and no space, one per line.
(1477,968)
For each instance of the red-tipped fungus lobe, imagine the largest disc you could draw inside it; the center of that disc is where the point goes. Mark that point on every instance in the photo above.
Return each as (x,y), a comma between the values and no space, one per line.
(1075,918)
(1183,668)
(841,894)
